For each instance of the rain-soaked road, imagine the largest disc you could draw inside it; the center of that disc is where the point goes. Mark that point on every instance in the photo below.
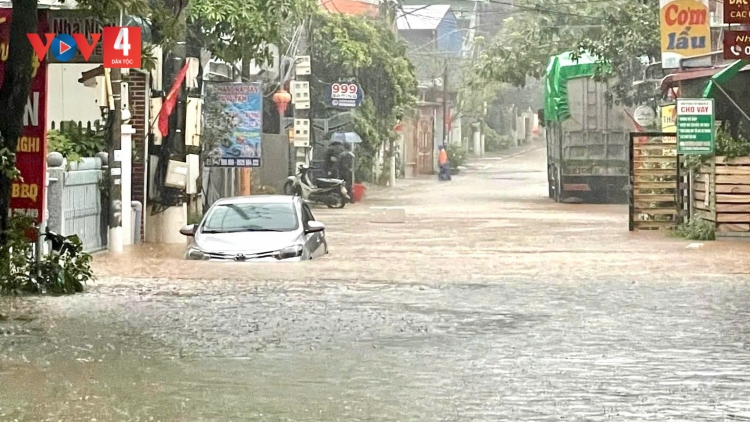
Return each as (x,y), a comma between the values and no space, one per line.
(491,303)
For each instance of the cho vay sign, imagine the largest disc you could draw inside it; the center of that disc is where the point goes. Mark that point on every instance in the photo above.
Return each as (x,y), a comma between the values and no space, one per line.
(121,46)
(27,195)
(685,30)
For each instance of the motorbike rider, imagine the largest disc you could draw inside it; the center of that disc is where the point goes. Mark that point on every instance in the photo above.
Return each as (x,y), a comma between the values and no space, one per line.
(346,168)
(335,148)
(445,170)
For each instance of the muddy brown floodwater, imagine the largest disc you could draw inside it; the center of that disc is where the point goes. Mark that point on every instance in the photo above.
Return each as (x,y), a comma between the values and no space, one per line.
(491,303)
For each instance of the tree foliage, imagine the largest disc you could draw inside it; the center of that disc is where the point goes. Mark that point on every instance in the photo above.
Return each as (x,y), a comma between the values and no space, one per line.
(13,96)
(631,39)
(619,32)
(233,29)
(230,29)
(368,51)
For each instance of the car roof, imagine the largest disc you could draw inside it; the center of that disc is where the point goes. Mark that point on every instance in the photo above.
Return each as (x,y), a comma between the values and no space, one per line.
(257,199)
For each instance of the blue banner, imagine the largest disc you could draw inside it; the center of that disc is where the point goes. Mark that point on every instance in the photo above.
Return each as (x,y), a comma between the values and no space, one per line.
(243,103)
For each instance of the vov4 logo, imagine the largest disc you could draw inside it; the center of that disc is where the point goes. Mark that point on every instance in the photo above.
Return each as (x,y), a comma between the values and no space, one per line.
(121,46)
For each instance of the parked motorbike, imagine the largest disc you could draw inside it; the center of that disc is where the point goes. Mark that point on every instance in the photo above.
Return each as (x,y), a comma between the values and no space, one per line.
(331,192)
(64,269)
(399,164)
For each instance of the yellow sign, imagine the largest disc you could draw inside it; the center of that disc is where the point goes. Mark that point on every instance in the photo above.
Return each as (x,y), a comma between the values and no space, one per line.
(685,31)
(669,122)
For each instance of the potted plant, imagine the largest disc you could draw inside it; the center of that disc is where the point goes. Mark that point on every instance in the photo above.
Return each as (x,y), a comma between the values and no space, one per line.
(456,157)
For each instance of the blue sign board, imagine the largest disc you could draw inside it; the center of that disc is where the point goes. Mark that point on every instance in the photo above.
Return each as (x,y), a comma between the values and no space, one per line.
(345,95)
(243,103)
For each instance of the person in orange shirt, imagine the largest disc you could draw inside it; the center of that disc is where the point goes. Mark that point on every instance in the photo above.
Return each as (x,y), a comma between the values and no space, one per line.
(445,168)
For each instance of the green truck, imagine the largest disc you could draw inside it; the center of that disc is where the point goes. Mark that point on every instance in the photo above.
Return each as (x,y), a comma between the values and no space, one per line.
(587,140)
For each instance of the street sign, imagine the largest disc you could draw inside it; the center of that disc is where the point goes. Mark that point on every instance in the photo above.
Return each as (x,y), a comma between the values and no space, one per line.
(644,116)
(736,45)
(345,95)
(696,133)
(736,11)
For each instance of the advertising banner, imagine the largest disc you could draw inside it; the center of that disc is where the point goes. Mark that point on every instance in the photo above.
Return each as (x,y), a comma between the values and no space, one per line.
(669,122)
(70,22)
(345,95)
(696,131)
(243,103)
(736,11)
(28,195)
(685,30)
(736,45)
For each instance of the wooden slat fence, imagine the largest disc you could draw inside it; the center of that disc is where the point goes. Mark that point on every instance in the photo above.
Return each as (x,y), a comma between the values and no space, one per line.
(655,186)
(721,195)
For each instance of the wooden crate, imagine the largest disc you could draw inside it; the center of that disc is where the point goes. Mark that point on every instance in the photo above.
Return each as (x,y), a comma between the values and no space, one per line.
(721,194)
(654,175)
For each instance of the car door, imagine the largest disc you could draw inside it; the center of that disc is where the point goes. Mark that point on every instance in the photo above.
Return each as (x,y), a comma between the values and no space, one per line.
(314,241)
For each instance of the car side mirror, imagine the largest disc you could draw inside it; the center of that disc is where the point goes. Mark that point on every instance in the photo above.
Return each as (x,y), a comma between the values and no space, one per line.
(314,227)
(188,230)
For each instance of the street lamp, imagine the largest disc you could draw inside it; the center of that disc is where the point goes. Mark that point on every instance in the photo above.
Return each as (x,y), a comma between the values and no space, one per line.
(282,99)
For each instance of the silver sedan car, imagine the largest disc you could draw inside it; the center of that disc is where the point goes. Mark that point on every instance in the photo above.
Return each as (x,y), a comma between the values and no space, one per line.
(257,228)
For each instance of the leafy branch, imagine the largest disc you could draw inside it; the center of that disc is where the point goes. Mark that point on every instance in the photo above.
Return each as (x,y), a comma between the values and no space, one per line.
(624,35)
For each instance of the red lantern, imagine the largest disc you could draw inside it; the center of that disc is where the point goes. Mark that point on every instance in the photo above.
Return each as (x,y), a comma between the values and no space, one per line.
(282,99)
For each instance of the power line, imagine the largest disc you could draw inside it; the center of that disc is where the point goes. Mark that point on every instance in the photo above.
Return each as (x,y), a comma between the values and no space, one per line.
(532,8)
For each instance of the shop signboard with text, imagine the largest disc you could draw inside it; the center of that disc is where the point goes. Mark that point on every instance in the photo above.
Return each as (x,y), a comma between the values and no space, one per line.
(83,25)
(736,11)
(736,45)
(685,30)
(28,193)
(668,122)
(345,95)
(243,104)
(696,131)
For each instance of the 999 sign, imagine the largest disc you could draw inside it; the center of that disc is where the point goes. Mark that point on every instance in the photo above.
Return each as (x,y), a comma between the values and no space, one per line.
(344,91)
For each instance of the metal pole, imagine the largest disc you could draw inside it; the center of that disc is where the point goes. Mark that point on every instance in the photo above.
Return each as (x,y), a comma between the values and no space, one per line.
(115,238)
(732,101)
(445,102)
(303,49)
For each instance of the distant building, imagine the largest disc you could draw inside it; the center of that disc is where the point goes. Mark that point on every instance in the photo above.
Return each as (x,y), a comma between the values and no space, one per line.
(352,7)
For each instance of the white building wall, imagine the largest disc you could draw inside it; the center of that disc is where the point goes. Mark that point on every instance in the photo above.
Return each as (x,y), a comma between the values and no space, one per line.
(67,99)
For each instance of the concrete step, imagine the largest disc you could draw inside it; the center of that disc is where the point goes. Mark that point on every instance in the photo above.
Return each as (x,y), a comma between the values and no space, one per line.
(387,215)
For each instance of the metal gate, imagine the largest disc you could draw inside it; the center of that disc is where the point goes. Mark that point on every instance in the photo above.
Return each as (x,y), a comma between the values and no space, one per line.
(425,147)
(82,209)
(655,185)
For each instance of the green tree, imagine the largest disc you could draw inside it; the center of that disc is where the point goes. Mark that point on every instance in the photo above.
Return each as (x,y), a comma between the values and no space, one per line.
(13,96)
(620,32)
(368,50)
(631,40)
(236,29)
(230,28)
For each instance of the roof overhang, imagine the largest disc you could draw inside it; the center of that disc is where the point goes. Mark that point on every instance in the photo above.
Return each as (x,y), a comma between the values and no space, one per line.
(670,80)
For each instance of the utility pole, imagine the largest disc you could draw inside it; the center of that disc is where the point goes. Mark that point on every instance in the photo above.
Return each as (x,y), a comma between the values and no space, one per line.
(445,102)
(245,173)
(303,49)
(115,239)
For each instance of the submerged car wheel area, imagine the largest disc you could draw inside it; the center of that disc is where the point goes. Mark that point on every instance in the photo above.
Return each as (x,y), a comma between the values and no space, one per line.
(271,228)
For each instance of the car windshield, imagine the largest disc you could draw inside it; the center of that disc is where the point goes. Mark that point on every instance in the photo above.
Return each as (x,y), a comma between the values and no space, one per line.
(228,218)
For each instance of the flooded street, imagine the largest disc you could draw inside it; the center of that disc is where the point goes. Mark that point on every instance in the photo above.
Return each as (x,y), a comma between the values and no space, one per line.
(490,303)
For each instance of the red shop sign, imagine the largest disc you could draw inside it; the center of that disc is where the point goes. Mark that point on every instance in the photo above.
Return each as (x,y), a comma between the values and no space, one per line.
(736,45)
(736,11)
(28,195)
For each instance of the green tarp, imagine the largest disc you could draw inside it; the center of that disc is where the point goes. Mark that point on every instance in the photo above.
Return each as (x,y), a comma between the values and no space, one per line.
(722,77)
(560,70)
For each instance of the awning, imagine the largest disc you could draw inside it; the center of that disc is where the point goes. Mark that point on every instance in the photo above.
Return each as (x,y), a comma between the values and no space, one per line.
(724,76)
(716,82)
(669,80)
